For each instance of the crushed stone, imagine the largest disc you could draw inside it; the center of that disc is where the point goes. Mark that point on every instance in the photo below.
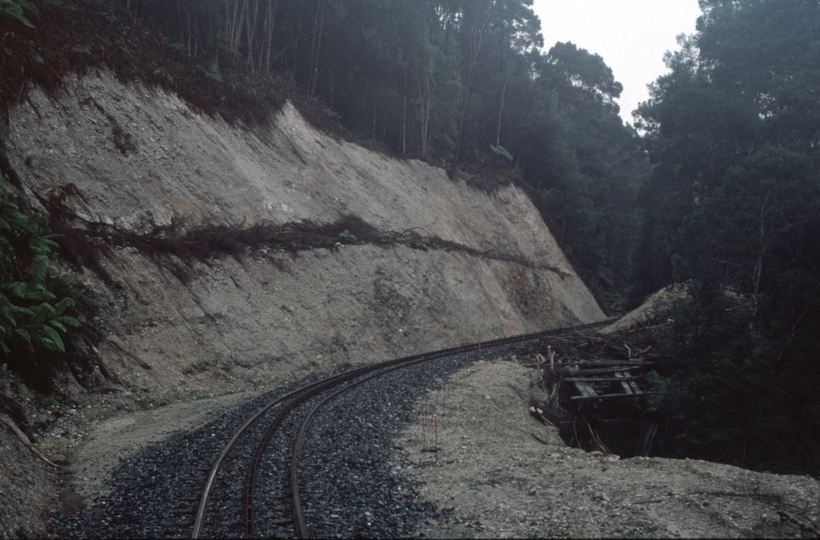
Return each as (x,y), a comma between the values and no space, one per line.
(501,474)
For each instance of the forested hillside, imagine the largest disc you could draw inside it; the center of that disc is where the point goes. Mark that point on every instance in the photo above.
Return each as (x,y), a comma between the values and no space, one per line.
(718,186)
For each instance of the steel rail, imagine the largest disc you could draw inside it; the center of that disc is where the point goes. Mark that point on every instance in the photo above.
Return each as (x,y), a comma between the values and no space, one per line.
(203,502)
(299,516)
(298,510)
(304,393)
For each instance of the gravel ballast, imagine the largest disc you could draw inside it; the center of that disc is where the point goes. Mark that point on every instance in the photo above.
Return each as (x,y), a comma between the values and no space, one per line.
(444,449)
(349,485)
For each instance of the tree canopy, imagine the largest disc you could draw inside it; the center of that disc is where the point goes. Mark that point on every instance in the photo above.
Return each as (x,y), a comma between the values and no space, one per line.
(733,205)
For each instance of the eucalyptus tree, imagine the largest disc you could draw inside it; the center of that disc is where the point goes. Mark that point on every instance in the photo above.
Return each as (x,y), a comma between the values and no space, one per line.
(590,164)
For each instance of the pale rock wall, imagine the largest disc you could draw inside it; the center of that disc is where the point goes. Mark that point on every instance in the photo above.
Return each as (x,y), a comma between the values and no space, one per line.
(274,316)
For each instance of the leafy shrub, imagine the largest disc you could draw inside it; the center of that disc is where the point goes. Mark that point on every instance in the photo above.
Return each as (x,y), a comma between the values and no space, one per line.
(40,314)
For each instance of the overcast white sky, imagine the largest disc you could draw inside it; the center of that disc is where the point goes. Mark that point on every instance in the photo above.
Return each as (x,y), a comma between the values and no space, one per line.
(630,35)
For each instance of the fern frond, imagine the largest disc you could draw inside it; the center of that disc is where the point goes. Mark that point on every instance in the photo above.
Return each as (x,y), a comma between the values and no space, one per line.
(38,294)
(39,269)
(52,340)
(44,312)
(21,311)
(23,334)
(17,220)
(41,246)
(68,320)
(501,151)
(7,186)
(16,289)
(64,304)
(58,325)
(14,9)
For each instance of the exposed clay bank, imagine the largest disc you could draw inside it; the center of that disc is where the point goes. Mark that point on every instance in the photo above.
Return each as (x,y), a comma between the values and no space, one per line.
(137,159)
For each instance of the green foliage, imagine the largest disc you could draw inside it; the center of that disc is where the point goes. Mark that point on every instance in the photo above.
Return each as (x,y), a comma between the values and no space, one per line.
(741,406)
(734,204)
(347,236)
(592,168)
(585,72)
(16,9)
(37,324)
(212,73)
(501,151)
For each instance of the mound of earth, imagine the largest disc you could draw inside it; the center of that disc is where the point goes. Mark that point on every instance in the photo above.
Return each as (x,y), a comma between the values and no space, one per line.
(501,474)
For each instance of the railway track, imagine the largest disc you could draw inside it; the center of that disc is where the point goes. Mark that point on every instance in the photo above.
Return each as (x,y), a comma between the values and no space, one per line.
(263,454)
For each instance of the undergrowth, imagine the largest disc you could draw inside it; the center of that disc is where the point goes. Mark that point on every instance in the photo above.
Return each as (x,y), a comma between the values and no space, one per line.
(43,316)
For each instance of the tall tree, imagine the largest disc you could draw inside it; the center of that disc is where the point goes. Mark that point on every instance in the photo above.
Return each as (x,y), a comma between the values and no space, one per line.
(734,205)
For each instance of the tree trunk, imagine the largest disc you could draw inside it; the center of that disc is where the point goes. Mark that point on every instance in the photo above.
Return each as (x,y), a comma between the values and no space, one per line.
(404,116)
(500,111)
(270,20)
(316,46)
(476,37)
(251,27)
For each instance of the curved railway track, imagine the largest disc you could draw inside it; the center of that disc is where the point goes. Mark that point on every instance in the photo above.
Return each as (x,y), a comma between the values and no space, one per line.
(287,420)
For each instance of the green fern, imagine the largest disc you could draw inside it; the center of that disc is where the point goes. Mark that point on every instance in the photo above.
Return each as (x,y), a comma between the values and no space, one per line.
(15,10)
(38,271)
(37,324)
(212,73)
(21,332)
(69,321)
(51,339)
(501,151)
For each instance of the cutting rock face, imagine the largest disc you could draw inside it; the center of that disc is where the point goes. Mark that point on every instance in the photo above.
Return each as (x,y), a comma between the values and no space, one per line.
(236,257)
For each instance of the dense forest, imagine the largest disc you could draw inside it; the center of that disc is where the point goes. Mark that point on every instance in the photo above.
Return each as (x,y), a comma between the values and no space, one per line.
(733,207)
(716,185)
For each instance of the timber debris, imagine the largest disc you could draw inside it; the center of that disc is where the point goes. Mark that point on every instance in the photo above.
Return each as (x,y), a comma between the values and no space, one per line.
(602,393)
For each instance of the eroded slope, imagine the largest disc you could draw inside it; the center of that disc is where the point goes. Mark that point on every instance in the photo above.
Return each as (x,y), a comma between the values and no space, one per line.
(133,160)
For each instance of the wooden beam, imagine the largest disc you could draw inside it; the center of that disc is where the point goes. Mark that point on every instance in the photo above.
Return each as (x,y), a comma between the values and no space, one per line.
(602,379)
(584,372)
(611,396)
(586,389)
(624,384)
(629,382)
(605,363)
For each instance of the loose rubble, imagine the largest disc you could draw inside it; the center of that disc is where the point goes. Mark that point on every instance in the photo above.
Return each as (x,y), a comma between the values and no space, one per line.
(501,474)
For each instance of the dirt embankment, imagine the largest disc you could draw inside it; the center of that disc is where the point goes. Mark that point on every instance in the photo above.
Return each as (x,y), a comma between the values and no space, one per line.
(136,161)
(501,474)
(130,165)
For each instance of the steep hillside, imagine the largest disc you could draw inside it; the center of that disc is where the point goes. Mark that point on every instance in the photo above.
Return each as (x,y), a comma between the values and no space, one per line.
(131,166)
